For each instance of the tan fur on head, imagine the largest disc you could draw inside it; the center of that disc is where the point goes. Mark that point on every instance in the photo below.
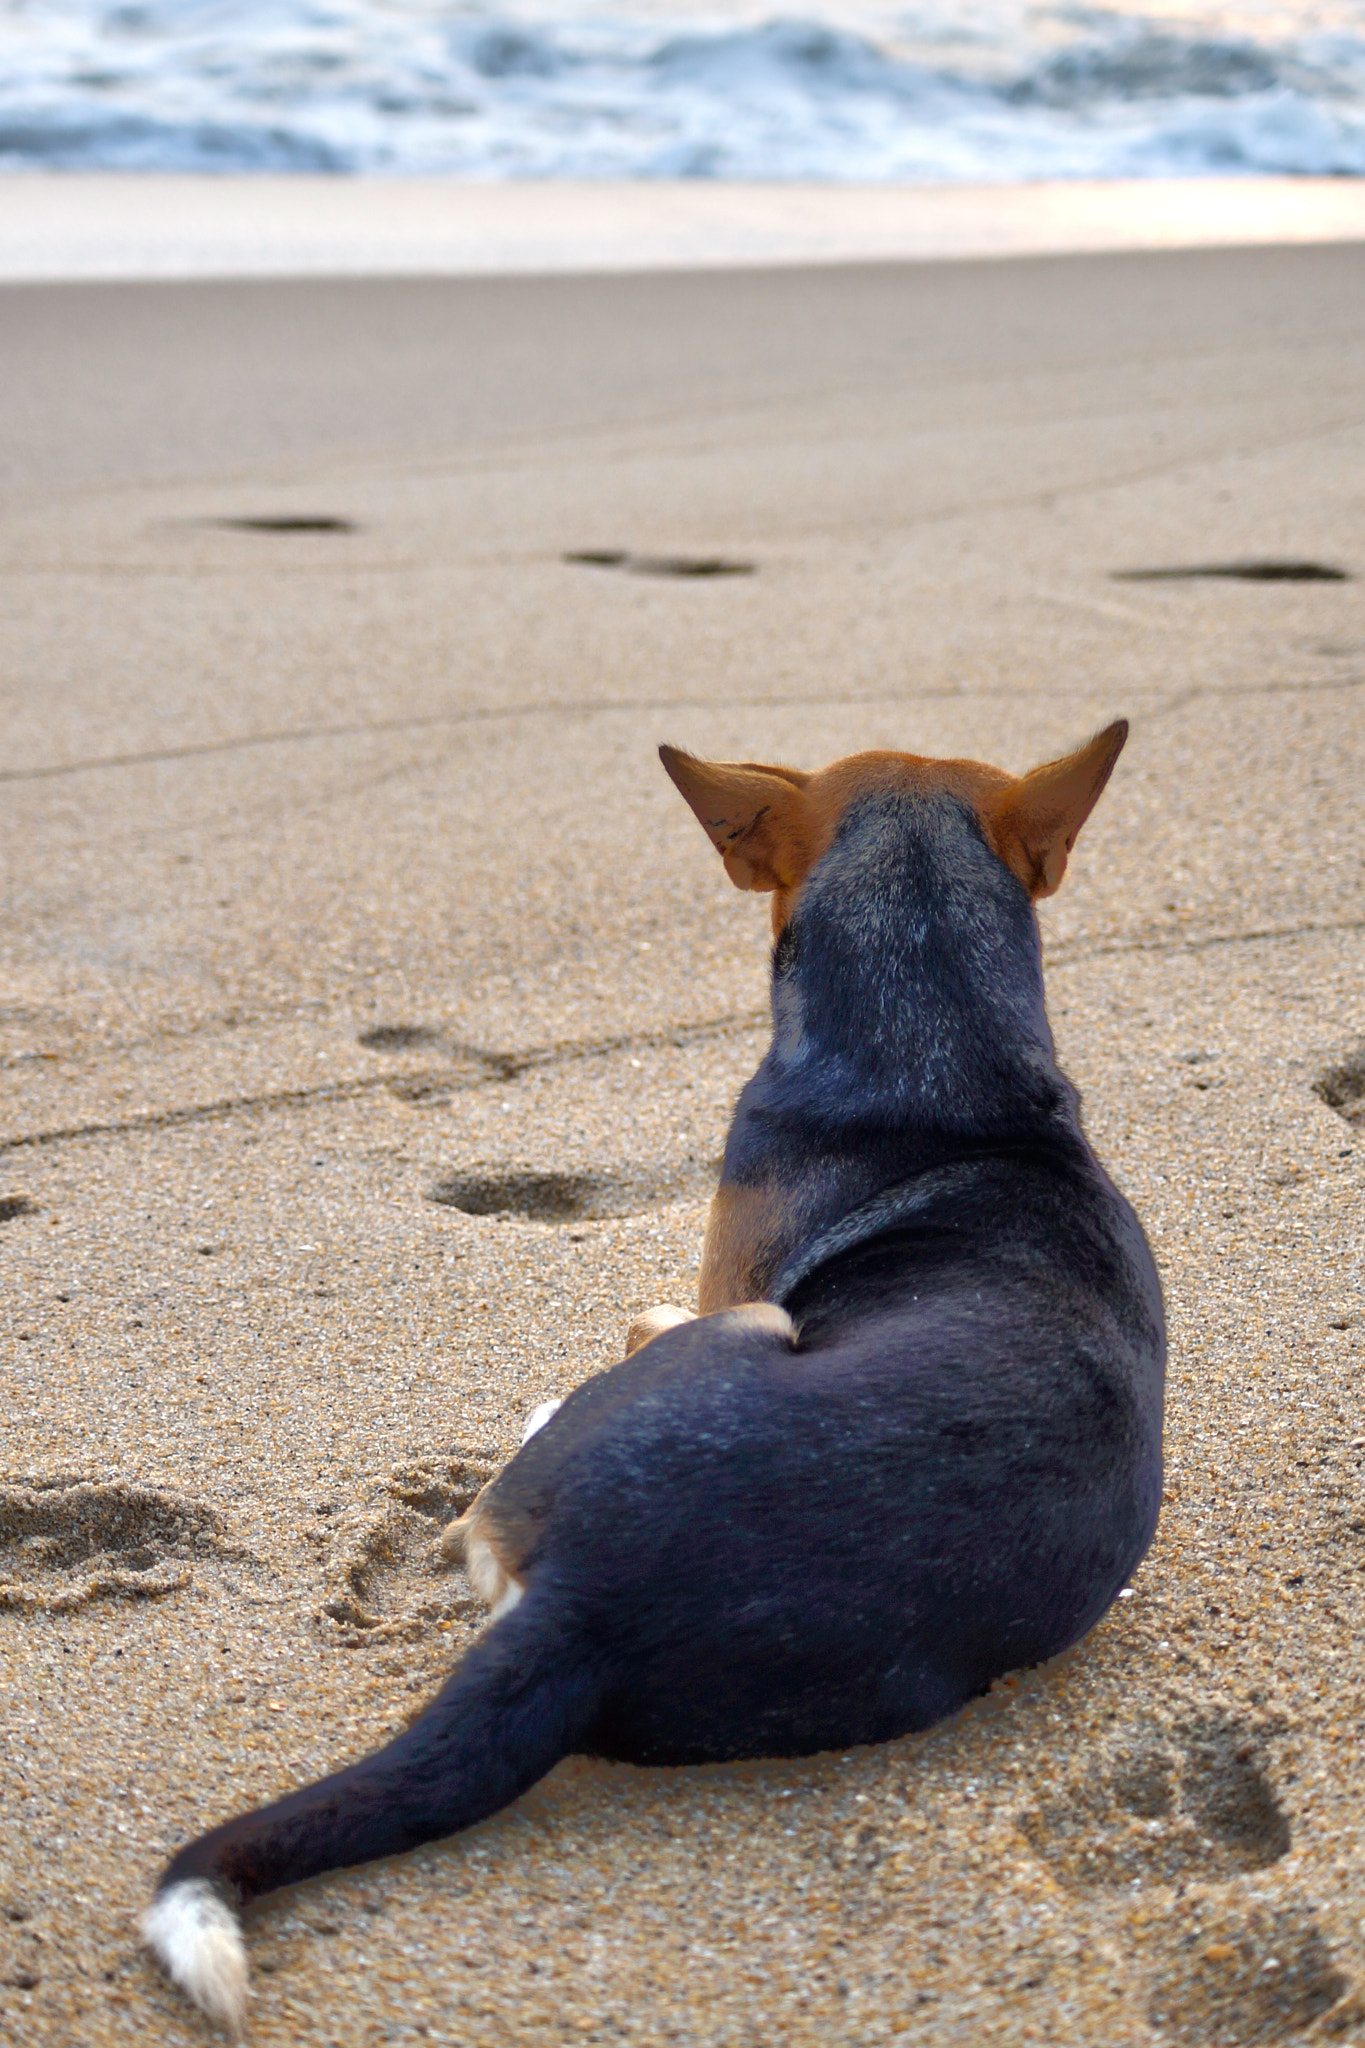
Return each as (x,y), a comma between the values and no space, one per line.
(1034,827)
(754,817)
(770,824)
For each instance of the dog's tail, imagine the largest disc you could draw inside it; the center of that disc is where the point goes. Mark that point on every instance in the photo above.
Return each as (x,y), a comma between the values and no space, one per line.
(524,1696)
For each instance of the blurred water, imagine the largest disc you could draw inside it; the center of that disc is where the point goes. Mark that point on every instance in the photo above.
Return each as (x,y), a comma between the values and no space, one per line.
(988,90)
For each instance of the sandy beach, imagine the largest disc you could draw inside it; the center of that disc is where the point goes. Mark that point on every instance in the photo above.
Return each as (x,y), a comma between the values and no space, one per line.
(371,1011)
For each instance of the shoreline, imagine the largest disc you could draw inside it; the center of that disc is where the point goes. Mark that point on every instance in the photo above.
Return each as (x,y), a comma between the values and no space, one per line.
(146,226)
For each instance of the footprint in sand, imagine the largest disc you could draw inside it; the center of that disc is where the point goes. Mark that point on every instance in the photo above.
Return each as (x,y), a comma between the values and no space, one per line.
(385,1578)
(1253,569)
(686,566)
(575,1197)
(67,1541)
(1164,1802)
(1342,1088)
(284,522)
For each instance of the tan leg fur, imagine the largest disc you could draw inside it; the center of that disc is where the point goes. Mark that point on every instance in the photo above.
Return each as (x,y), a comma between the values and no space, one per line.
(741,1231)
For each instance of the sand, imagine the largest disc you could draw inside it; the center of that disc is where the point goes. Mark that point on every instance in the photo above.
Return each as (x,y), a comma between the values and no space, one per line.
(176,225)
(343,884)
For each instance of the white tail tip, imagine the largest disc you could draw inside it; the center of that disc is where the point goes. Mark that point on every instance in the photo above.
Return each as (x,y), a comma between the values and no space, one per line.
(194,1934)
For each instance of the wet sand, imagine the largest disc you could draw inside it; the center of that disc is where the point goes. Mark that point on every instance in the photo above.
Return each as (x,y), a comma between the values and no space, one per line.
(343,888)
(157,224)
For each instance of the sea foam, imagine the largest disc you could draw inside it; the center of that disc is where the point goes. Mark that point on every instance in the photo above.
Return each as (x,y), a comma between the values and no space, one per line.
(985,90)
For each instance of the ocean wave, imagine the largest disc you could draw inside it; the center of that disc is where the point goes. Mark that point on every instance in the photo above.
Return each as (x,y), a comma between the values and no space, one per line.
(995,91)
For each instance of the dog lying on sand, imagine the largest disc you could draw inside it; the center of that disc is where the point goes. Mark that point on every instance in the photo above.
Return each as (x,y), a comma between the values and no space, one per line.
(913,1440)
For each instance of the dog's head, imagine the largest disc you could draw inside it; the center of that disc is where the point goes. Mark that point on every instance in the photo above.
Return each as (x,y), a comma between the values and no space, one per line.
(770,825)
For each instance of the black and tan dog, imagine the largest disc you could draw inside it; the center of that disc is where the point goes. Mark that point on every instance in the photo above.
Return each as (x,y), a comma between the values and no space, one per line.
(913,1440)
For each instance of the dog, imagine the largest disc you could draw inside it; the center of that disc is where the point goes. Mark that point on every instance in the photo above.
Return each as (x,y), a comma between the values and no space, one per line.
(912,1441)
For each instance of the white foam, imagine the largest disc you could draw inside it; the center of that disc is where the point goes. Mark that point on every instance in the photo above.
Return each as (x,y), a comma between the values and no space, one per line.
(860,90)
(195,1935)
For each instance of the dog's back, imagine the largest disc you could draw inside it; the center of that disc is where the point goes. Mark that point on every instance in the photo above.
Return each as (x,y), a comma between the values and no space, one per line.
(917,1440)
(957,1464)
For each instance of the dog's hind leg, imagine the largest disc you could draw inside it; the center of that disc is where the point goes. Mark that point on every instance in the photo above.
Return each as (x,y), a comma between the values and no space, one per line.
(455,1537)
(471,1540)
(745,1233)
(459,1539)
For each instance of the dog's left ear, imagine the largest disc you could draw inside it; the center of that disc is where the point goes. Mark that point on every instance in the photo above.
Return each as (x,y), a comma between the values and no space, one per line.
(755,817)
(1035,823)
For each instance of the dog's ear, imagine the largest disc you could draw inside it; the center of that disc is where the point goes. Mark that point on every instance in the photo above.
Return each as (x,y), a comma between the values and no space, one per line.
(755,817)
(1035,823)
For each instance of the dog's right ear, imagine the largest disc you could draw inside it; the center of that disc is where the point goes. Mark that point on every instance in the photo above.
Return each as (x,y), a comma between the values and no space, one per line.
(1036,821)
(755,817)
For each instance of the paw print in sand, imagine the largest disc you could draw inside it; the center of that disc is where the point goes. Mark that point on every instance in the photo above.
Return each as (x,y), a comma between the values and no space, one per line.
(1164,1802)
(386,1580)
(67,1541)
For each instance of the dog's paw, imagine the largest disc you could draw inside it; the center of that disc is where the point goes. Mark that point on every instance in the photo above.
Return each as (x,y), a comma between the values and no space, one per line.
(538,1418)
(653,1323)
(757,1318)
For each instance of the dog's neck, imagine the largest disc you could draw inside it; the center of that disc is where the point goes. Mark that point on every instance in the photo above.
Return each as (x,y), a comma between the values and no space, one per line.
(908,1011)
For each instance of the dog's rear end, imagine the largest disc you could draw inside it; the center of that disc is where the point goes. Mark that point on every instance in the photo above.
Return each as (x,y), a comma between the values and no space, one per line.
(932,1454)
